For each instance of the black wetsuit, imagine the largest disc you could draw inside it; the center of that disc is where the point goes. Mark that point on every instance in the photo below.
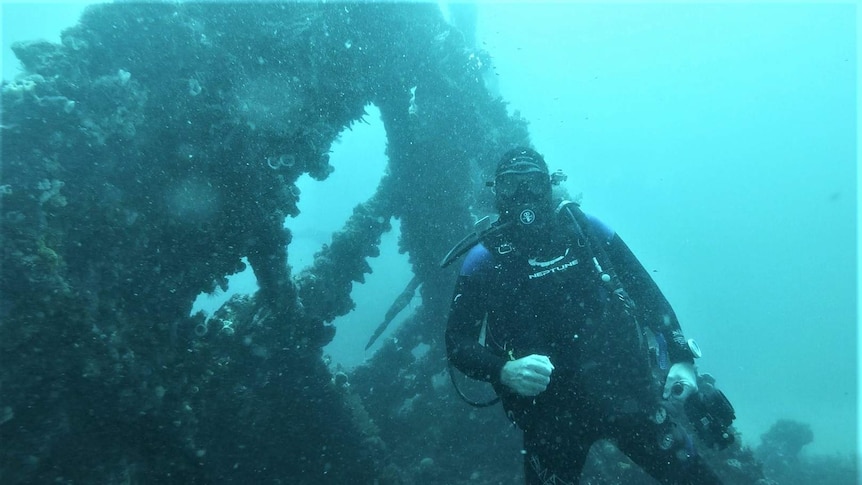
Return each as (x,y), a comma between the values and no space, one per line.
(551,301)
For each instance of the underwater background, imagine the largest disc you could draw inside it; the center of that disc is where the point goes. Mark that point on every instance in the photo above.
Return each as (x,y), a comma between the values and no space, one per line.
(719,140)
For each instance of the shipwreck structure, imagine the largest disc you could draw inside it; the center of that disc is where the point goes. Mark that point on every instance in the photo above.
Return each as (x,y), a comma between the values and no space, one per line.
(151,151)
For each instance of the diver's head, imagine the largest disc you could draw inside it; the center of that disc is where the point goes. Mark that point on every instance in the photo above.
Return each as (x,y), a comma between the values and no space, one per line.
(522,189)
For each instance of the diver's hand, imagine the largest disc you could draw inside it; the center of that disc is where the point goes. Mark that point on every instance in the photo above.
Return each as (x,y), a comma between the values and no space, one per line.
(681,382)
(527,376)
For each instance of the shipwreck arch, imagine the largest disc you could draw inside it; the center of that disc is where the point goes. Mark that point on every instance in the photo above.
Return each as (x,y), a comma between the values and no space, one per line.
(149,152)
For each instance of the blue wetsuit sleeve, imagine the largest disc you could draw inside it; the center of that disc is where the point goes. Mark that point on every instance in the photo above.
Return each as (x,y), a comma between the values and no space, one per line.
(604,231)
(652,308)
(475,261)
(466,318)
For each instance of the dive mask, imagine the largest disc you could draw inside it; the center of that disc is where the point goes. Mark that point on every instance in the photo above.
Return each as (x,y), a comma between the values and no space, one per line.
(533,184)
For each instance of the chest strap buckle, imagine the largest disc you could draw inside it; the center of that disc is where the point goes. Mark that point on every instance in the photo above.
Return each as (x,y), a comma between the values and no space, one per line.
(505,248)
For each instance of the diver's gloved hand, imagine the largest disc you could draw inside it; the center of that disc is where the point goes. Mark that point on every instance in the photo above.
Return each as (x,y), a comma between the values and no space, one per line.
(527,376)
(681,382)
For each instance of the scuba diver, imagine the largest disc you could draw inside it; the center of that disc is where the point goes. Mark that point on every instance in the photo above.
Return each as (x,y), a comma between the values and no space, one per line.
(553,309)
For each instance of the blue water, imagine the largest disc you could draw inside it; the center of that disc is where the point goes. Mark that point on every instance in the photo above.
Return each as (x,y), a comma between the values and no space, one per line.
(718,140)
